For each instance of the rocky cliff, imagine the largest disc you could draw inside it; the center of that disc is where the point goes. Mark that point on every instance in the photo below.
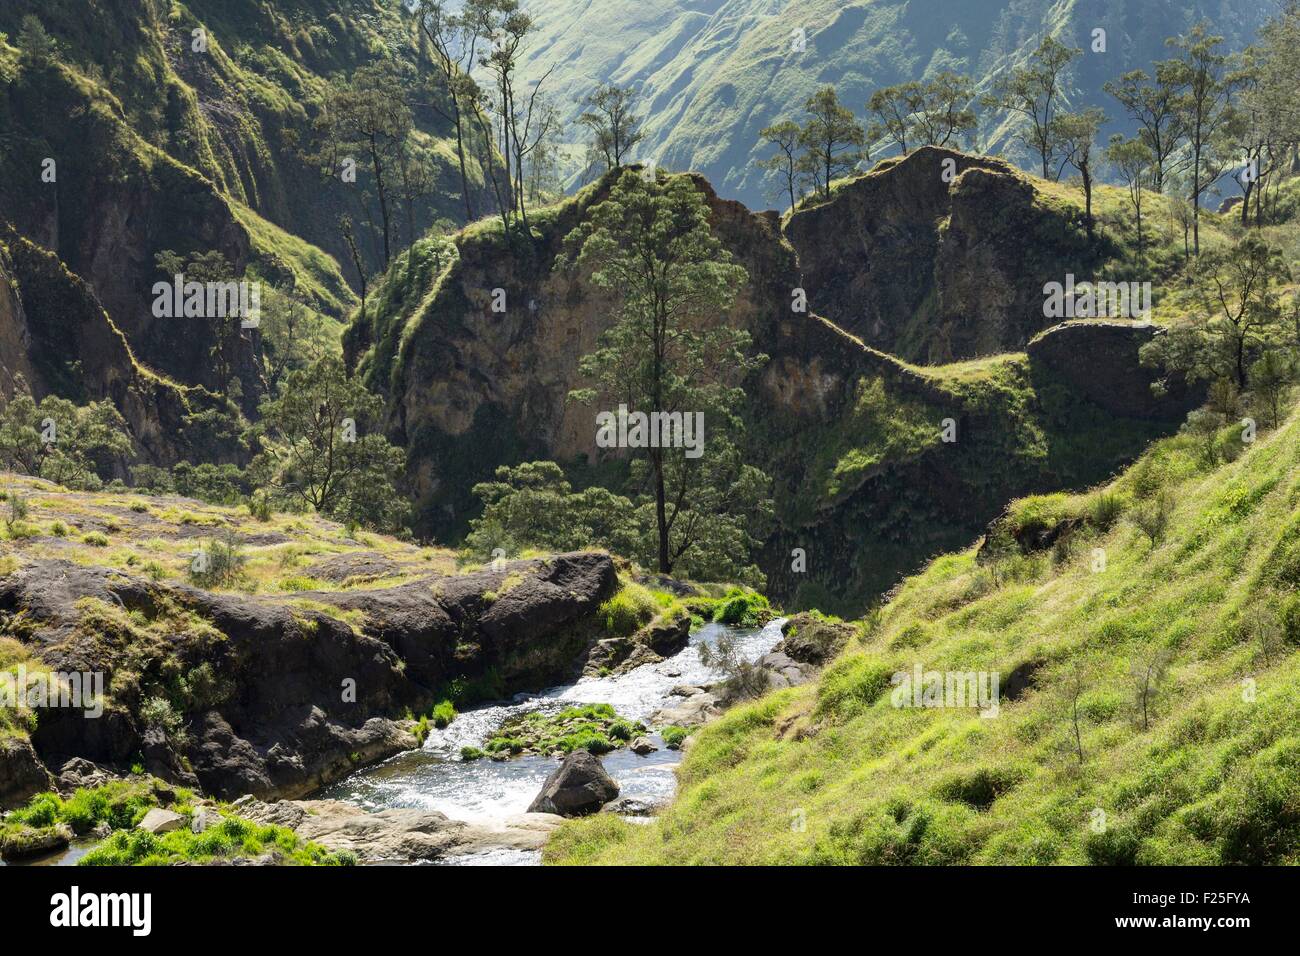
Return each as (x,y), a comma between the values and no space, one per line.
(939,255)
(275,692)
(852,436)
(127,141)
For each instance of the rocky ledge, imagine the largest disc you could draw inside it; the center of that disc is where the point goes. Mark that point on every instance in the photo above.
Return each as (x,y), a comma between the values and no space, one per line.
(276,695)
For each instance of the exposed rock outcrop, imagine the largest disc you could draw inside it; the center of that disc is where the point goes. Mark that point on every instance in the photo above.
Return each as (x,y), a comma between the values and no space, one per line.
(22,774)
(937,256)
(303,696)
(850,435)
(812,639)
(398,835)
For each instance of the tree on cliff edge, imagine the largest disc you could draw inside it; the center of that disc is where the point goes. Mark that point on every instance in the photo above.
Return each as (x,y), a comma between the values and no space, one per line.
(670,351)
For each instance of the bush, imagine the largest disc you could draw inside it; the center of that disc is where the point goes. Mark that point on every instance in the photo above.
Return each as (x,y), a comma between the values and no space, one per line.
(1104,509)
(443,714)
(1152,516)
(220,564)
(741,607)
(674,736)
(95,539)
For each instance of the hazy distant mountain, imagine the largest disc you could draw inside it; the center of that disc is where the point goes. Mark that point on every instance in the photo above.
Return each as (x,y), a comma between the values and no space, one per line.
(715,72)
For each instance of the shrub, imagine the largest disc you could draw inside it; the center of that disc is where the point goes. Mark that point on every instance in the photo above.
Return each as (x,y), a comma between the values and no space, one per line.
(741,607)
(159,712)
(443,714)
(95,539)
(220,564)
(1152,516)
(674,736)
(1104,509)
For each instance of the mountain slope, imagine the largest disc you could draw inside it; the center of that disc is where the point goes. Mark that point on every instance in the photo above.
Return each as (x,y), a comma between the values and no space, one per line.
(838,773)
(712,73)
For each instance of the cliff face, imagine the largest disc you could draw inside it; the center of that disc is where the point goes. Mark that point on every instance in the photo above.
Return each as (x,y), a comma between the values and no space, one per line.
(275,692)
(75,350)
(938,256)
(127,142)
(863,481)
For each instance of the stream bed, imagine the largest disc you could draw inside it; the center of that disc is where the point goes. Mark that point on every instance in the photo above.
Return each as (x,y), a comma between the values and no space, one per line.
(435,778)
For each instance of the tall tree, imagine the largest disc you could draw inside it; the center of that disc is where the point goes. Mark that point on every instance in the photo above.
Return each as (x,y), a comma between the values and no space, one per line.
(320,447)
(784,135)
(453,40)
(946,114)
(894,107)
(522,121)
(667,352)
(1033,92)
(1134,161)
(608,112)
(832,139)
(1204,75)
(1154,106)
(1075,135)
(1238,317)
(369,113)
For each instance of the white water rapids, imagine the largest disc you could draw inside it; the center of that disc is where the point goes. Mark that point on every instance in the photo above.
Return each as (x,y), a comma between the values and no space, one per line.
(435,777)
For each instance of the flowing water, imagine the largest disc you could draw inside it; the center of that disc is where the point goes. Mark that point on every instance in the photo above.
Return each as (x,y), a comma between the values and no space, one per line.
(435,778)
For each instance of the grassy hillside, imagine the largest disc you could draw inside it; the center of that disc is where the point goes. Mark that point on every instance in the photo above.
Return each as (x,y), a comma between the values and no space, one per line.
(835,773)
(712,73)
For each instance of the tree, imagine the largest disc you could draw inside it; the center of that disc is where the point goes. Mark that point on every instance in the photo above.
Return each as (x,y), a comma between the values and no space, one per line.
(290,339)
(211,266)
(1148,671)
(1154,105)
(615,128)
(1238,315)
(532,505)
(945,114)
(319,449)
(1271,378)
(1134,161)
(36,48)
(784,162)
(831,139)
(1032,92)
(1075,135)
(453,41)
(1078,680)
(894,107)
(60,441)
(667,352)
(523,121)
(354,252)
(1202,73)
(369,114)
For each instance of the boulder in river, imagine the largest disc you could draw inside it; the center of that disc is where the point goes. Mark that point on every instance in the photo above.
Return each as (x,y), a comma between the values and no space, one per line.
(579,786)
(161,821)
(642,746)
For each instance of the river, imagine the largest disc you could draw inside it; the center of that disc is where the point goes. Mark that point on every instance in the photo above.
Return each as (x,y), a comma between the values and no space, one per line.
(435,778)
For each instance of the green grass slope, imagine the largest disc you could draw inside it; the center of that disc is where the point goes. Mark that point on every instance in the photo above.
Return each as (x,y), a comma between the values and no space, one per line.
(835,773)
